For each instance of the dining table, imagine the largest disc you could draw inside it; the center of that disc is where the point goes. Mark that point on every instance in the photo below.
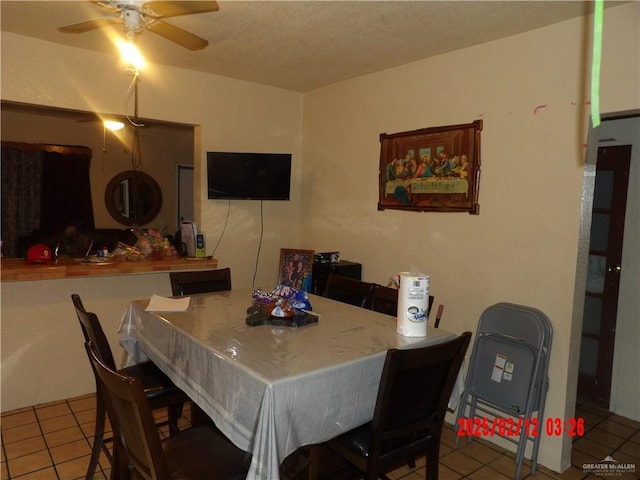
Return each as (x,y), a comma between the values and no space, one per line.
(270,388)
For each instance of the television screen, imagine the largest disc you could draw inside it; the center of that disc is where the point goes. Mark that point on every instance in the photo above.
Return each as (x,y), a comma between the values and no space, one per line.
(248,176)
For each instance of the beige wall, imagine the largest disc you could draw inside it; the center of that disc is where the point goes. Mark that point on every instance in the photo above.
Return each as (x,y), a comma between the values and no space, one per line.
(522,248)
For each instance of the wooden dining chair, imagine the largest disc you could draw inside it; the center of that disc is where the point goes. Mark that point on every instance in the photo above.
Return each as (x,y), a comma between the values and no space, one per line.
(192,282)
(195,453)
(158,388)
(348,290)
(436,322)
(385,300)
(410,409)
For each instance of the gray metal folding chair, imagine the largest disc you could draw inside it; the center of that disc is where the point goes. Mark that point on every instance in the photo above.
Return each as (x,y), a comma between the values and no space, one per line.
(508,378)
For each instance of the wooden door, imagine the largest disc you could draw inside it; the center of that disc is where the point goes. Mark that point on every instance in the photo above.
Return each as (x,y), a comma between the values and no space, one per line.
(603,279)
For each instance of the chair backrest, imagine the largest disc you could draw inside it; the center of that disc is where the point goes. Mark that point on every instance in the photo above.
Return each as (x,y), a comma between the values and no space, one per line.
(385,300)
(523,334)
(93,332)
(414,391)
(524,323)
(436,322)
(132,419)
(189,283)
(348,290)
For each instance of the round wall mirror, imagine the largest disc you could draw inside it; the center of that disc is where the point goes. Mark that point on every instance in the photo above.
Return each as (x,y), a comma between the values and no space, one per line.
(133,198)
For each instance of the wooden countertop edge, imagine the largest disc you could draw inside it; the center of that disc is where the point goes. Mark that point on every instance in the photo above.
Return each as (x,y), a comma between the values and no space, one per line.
(18,270)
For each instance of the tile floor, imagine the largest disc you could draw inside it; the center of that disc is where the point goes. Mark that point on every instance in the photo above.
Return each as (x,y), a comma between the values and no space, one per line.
(53,442)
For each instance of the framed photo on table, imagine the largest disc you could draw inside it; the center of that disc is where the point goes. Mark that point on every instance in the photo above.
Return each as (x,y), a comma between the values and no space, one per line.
(295,269)
(432,169)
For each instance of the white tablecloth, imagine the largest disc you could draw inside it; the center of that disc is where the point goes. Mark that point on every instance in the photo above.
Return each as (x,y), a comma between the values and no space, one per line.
(270,389)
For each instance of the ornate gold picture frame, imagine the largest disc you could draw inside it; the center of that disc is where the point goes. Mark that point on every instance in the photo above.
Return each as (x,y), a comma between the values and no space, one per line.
(432,169)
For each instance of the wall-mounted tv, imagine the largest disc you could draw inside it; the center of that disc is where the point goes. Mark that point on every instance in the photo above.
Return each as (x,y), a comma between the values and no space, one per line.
(248,176)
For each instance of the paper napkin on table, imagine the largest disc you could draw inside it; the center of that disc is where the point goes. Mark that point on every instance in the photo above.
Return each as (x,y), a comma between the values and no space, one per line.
(164,304)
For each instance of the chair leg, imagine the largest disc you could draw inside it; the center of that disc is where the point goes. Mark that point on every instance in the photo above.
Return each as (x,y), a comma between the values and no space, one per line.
(174,412)
(120,469)
(314,462)
(98,439)
(198,417)
(433,460)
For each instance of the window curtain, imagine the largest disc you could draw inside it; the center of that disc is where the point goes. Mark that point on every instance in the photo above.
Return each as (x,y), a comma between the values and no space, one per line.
(21,196)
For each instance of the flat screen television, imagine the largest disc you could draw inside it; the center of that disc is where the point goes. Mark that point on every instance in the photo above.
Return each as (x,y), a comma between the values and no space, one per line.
(248,176)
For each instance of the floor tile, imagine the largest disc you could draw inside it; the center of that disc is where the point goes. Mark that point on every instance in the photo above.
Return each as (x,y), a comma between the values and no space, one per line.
(76,468)
(70,451)
(487,473)
(24,447)
(591,448)
(52,410)
(578,458)
(48,473)
(604,438)
(85,416)
(82,404)
(624,421)
(63,436)
(29,463)
(18,419)
(506,464)
(480,452)
(16,434)
(632,450)
(616,428)
(572,473)
(445,473)
(53,442)
(460,463)
(57,423)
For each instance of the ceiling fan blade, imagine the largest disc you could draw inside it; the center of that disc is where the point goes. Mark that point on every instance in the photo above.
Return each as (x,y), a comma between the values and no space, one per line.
(177,35)
(89,25)
(165,9)
(104,4)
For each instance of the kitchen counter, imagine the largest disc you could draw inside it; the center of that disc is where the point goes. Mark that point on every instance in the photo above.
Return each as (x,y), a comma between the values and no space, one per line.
(18,270)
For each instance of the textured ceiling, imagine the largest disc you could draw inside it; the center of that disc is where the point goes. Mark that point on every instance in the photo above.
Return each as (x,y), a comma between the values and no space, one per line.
(303,45)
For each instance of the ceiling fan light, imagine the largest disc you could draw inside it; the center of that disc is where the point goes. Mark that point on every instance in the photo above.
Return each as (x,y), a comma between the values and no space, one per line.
(113,125)
(130,55)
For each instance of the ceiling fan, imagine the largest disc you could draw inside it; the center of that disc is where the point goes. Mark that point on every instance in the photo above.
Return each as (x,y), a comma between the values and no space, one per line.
(137,15)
